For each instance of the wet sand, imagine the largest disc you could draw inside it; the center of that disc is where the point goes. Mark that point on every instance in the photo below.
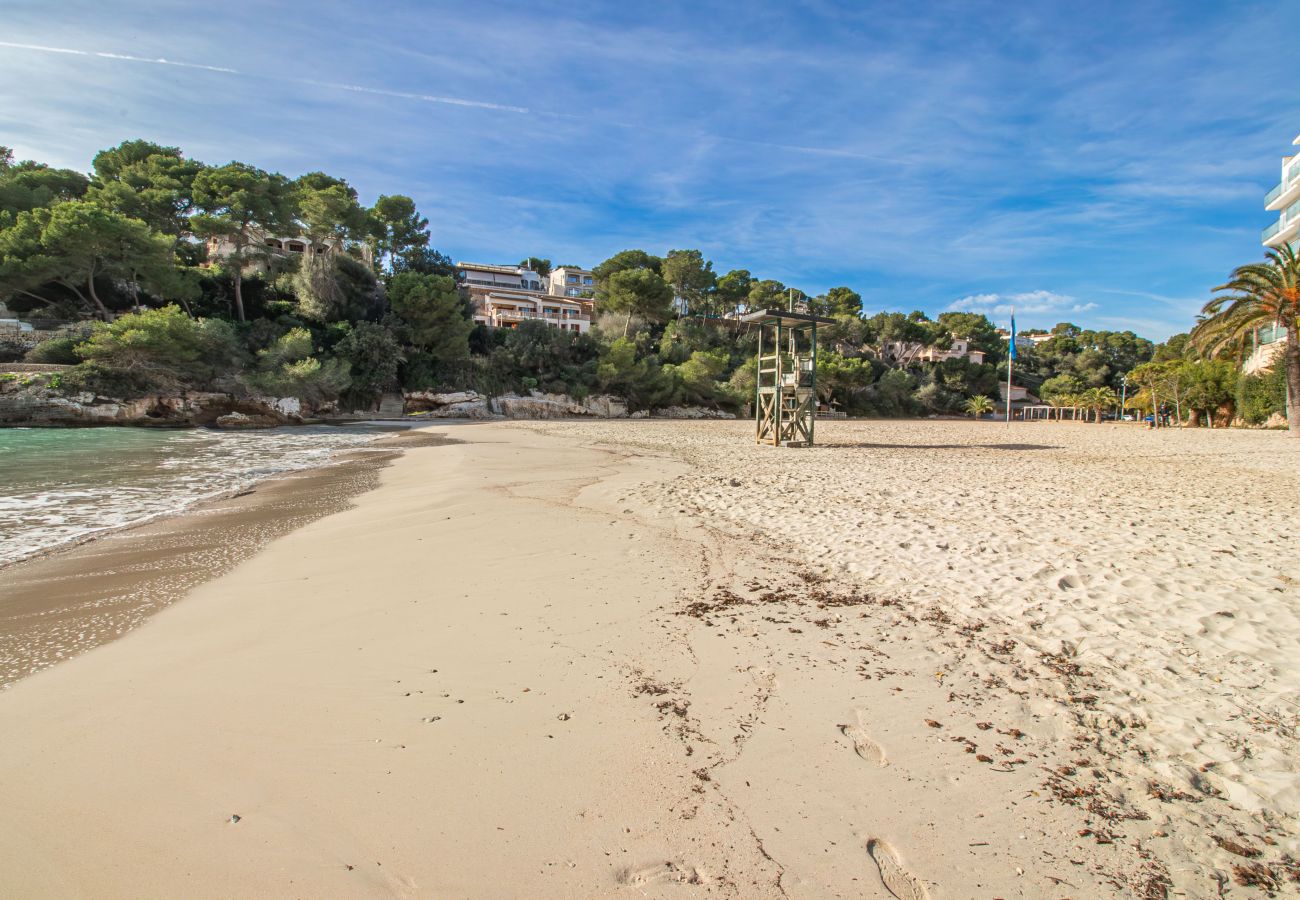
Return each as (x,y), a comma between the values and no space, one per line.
(65,602)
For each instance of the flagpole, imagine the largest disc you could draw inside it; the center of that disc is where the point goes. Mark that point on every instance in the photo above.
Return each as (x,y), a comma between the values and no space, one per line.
(1011,361)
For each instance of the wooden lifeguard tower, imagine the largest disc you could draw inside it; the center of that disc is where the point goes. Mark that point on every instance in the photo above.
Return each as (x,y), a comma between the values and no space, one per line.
(785,408)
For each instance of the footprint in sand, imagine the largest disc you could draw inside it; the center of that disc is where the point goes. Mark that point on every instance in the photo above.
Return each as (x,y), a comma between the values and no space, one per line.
(863,745)
(669,871)
(897,880)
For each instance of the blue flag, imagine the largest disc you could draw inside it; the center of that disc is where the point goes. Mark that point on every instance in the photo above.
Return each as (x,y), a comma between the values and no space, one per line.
(1013,335)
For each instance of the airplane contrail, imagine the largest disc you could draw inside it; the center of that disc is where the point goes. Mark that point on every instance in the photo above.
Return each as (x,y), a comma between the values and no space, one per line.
(433,98)
(102,55)
(355,88)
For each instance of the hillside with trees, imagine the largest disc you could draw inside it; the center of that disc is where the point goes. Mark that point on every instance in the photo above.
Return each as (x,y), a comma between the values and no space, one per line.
(162,273)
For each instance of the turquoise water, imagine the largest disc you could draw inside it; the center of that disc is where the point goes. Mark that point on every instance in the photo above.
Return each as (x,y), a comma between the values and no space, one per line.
(61,484)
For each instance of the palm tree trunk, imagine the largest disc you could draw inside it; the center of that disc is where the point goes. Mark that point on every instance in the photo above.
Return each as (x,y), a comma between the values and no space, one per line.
(1292,362)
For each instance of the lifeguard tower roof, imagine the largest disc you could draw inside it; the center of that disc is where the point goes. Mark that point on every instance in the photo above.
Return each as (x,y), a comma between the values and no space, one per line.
(788,319)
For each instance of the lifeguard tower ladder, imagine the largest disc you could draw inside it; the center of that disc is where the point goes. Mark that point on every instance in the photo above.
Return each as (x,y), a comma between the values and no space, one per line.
(785,408)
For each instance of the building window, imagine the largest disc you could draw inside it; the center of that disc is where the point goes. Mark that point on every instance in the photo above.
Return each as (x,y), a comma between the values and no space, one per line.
(572,279)
(586,280)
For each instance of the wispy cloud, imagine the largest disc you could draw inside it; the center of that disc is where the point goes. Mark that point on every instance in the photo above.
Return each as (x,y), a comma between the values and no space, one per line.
(1027,303)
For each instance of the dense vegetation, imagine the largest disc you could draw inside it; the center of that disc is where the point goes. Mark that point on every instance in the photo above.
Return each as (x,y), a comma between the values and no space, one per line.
(371,307)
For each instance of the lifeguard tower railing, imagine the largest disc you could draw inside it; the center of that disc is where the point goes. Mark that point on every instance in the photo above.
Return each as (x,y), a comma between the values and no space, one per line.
(785,402)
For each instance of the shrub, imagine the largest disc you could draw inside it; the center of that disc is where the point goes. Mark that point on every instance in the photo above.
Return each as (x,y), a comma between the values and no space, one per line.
(59,350)
(160,349)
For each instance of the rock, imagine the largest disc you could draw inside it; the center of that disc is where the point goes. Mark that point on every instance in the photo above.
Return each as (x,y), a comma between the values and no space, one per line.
(234,819)
(30,400)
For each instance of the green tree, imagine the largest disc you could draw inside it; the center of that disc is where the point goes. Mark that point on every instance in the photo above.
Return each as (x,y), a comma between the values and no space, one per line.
(624,372)
(1258,295)
(145,181)
(432,309)
(638,293)
(1061,385)
(29,185)
(243,205)
(337,288)
(977,331)
(1177,347)
(623,261)
(397,231)
(733,289)
(1212,388)
(690,276)
(535,264)
(893,393)
(1261,395)
(74,243)
(289,368)
(839,301)
(329,212)
(373,356)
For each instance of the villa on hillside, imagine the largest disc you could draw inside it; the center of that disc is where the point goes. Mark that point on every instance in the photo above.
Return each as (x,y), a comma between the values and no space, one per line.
(504,296)
(221,247)
(960,348)
(1026,341)
(907,352)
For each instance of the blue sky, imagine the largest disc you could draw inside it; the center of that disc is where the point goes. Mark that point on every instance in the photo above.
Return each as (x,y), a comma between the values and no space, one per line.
(1102,163)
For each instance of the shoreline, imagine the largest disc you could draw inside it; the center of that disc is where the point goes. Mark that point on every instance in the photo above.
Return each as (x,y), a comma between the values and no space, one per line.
(70,597)
(393,427)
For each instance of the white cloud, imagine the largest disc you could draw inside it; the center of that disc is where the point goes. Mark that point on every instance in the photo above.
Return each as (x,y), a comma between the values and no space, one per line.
(1028,303)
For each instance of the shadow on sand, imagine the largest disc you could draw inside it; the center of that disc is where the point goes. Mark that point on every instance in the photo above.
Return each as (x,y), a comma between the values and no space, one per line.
(866,445)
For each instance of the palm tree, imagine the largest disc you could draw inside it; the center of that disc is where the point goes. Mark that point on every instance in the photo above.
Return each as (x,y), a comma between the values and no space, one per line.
(1097,399)
(1070,402)
(979,406)
(1256,295)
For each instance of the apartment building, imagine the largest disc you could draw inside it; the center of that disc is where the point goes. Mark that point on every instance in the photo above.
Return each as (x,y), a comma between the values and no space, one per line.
(1284,199)
(504,296)
(569,281)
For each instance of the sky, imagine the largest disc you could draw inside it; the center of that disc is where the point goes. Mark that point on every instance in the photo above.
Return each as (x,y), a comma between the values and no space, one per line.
(1100,163)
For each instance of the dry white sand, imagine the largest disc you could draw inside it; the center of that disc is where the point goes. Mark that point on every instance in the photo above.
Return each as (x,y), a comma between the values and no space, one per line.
(651,659)
(1140,586)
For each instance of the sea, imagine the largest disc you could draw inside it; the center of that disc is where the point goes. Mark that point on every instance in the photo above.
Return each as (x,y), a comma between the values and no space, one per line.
(61,485)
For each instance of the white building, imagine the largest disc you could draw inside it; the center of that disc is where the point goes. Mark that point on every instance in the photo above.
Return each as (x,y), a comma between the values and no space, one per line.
(486,276)
(1267,345)
(506,309)
(1285,200)
(569,281)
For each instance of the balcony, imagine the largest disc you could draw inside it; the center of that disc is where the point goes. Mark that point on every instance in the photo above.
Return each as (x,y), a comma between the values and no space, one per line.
(1285,229)
(1287,191)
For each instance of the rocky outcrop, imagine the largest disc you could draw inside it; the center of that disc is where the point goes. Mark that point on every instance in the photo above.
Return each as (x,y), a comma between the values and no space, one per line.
(536,405)
(453,405)
(31,400)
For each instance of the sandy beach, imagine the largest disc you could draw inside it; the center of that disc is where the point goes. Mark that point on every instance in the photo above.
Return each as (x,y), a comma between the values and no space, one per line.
(588,659)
